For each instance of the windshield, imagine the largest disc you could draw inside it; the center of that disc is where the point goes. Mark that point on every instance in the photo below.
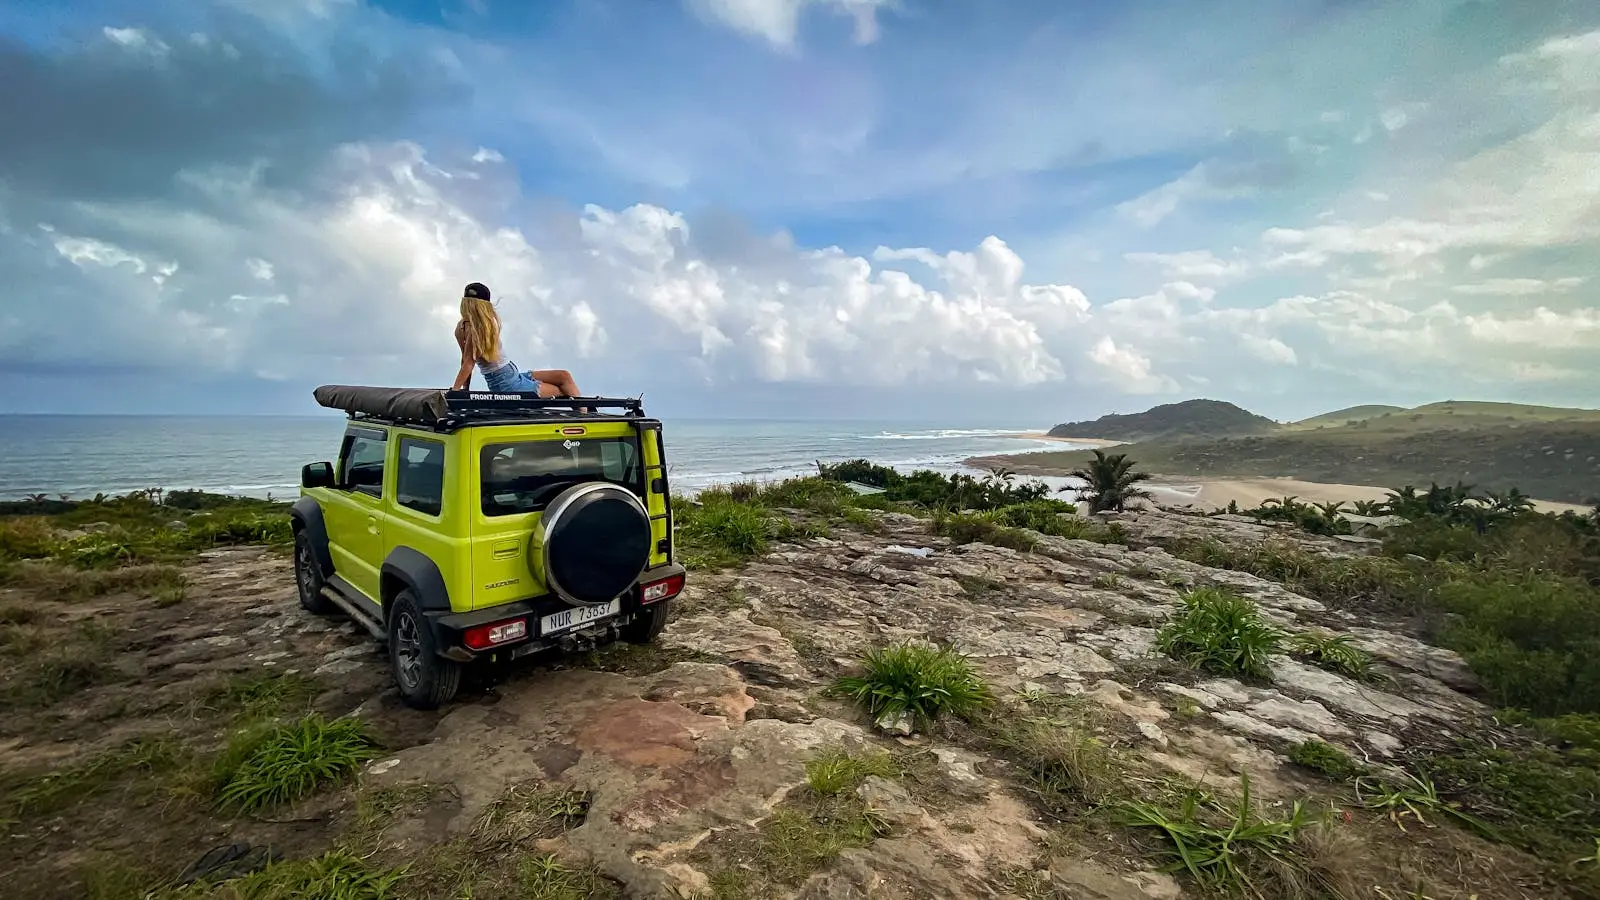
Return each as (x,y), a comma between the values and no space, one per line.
(525,476)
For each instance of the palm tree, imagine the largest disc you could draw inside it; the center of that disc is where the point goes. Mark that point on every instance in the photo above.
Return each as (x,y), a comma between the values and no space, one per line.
(1111,482)
(38,498)
(1512,501)
(1331,511)
(1368,508)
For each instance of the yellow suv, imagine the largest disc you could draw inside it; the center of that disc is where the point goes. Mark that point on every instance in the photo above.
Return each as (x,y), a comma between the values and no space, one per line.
(460,526)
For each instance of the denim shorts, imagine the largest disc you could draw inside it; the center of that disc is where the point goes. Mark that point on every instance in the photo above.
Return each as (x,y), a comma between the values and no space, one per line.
(508,379)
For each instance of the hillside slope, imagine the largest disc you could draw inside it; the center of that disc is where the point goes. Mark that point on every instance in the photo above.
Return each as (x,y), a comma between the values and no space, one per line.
(1189,419)
(1346,416)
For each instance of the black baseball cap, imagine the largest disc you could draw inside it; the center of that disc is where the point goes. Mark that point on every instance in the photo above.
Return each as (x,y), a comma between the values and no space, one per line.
(477,291)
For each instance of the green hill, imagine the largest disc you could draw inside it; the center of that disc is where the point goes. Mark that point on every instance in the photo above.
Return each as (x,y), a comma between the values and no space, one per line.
(1189,419)
(1345,416)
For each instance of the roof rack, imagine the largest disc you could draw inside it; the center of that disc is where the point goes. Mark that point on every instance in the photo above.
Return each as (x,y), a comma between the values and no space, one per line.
(448,410)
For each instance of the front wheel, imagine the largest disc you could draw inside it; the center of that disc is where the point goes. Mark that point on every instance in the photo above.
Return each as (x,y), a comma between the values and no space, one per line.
(308,576)
(425,679)
(647,623)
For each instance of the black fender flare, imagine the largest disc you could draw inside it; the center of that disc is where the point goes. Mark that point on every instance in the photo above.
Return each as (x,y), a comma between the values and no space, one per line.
(306,515)
(417,572)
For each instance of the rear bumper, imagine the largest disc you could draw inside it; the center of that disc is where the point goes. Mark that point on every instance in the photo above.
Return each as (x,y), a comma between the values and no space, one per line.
(450,629)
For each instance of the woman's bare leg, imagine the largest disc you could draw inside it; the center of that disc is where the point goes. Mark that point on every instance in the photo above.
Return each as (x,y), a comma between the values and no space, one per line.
(556,383)
(560,380)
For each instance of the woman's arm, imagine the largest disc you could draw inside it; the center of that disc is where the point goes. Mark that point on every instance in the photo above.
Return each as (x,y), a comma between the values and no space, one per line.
(463,374)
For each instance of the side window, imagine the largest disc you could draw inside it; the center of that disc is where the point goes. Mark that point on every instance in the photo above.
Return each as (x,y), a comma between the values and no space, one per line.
(616,461)
(419,484)
(361,467)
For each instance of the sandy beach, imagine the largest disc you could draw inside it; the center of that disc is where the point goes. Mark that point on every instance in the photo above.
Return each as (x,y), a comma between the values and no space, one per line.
(1217,493)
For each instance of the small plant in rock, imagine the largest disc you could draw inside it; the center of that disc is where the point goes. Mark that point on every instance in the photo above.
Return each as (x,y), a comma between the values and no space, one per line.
(1409,796)
(1326,759)
(1336,653)
(1227,849)
(268,766)
(1109,581)
(918,681)
(837,771)
(336,875)
(1220,632)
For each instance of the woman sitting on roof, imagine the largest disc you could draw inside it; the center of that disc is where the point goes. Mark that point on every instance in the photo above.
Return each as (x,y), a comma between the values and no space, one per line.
(478,335)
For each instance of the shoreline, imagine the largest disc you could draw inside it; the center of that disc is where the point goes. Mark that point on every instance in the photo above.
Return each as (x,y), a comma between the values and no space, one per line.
(1090,443)
(1248,491)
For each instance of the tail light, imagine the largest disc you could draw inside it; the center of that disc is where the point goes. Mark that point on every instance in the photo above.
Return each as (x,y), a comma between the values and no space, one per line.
(665,589)
(485,636)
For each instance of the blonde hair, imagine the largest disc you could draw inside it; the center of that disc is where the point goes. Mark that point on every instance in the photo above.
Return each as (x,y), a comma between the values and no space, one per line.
(483,327)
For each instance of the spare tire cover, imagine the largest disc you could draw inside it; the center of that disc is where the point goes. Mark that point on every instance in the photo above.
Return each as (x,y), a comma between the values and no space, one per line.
(595,540)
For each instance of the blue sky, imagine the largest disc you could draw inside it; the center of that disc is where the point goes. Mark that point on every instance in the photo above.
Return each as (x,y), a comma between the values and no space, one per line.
(809,207)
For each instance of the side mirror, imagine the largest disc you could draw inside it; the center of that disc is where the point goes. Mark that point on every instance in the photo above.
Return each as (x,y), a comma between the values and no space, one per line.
(317,475)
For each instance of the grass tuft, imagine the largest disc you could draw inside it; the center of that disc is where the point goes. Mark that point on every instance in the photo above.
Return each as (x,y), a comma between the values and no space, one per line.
(548,878)
(268,766)
(836,771)
(66,786)
(258,697)
(1227,849)
(1220,632)
(336,875)
(916,680)
(1336,653)
(1326,759)
(721,531)
(1063,765)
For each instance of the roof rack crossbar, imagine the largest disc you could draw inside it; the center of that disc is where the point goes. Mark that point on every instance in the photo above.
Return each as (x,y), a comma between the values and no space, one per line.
(437,408)
(488,401)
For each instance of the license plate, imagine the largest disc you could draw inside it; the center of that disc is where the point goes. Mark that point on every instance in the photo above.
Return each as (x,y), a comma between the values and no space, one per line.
(577,617)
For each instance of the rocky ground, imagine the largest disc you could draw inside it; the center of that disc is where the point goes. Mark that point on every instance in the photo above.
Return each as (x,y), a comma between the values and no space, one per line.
(683,764)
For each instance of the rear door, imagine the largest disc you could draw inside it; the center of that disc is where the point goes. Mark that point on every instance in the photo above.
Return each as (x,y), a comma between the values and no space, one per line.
(354,513)
(519,471)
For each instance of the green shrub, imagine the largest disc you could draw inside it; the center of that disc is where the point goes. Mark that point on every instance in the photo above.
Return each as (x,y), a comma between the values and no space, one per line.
(916,680)
(981,528)
(720,531)
(268,766)
(28,537)
(1222,633)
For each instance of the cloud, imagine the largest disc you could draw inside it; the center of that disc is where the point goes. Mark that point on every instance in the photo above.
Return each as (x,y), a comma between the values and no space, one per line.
(1129,370)
(1519,287)
(384,259)
(1198,265)
(778,21)
(114,117)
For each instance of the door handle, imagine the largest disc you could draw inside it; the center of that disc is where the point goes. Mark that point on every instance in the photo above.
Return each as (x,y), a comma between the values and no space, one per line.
(372,524)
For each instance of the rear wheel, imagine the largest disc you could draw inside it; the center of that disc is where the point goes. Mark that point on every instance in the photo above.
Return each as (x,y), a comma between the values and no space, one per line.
(425,679)
(308,576)
(647,624)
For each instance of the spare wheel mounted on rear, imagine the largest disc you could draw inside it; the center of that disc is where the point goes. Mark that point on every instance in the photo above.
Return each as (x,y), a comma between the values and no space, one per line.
(593,543)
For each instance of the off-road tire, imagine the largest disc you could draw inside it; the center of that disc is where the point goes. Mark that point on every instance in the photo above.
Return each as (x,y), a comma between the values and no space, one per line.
(308,576)
(647,624)
(424,679)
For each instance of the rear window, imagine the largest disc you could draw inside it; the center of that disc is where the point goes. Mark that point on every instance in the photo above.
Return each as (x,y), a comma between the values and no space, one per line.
(525,476)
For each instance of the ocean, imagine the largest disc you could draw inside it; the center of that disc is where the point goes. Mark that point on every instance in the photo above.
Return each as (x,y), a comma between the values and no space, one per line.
(80,456)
